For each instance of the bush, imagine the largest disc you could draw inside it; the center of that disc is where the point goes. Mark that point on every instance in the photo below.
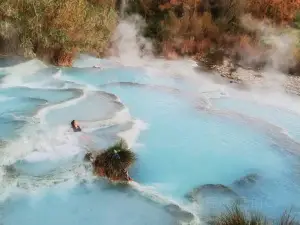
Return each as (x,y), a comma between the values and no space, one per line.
(115,161)
(48,26)
(236,216)
(277,10)
(190,27)
(287,219)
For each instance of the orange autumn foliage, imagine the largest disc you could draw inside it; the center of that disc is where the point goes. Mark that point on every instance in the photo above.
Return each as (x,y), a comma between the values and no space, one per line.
(277,10)
(64,58)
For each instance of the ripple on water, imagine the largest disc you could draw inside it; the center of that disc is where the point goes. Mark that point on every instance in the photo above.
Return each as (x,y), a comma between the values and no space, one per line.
(85,204)
(22,103)
(50,95)
(279,117)
(94,106)
(94,76)
(14,113)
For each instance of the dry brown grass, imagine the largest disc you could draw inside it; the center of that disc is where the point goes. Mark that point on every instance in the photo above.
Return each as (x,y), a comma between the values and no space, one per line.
(190,27)
(277,10)
(48,26)
(200,28)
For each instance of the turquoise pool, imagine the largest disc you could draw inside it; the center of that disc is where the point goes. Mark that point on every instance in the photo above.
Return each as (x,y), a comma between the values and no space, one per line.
(183,139)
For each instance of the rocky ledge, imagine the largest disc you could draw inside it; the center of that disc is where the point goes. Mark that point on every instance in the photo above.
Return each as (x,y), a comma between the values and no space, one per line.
(246,76)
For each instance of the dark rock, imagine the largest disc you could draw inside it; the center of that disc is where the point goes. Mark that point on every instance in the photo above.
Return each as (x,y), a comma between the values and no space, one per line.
(211,188)
(89,157)
(247,180)
(294,70)
(258,75)
(2,143)
(10,169)
(176,211)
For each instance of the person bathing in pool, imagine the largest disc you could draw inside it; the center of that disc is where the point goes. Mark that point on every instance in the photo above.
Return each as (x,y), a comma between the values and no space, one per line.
(75,126)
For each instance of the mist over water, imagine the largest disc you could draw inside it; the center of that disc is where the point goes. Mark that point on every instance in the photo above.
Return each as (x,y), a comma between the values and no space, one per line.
(188,132)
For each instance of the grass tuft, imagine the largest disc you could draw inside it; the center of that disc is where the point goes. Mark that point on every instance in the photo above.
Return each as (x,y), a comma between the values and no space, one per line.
(115,161)
(287,219)
(234,215)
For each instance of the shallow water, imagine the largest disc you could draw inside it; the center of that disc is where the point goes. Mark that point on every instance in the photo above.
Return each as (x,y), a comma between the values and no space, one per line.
(286,120)
(183,137)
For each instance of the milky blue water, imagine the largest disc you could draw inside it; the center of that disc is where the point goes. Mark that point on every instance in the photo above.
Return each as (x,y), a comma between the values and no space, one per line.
(284,119)
(180,143)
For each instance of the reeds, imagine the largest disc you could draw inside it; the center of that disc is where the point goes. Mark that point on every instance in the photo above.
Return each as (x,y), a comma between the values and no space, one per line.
(234,215)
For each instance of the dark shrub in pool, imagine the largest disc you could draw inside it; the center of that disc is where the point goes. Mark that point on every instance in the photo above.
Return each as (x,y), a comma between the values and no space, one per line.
(114,162)
(234,215)
(287,219)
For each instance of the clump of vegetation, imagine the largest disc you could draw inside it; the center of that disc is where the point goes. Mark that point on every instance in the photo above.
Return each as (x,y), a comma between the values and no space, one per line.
(194,27)
(56,28)
(208,30)
(276,10)
(115,161)
(236,216)
(287,219)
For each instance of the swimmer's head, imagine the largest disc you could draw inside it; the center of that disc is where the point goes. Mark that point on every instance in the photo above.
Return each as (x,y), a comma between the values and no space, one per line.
(74,124)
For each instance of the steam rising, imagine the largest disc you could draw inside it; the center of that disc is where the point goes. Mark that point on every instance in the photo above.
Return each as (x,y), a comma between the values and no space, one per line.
(128,43)
(130,48)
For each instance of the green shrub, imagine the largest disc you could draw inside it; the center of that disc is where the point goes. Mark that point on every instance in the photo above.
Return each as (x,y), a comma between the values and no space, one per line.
(115,161)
